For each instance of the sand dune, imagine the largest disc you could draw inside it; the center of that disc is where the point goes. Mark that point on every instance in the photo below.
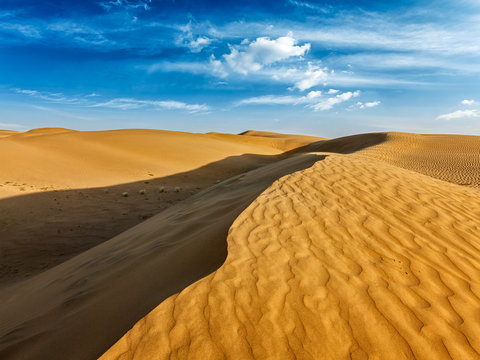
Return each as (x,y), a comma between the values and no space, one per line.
(345,249)
(61,190)
(453,158)
(78,309)
(348,259)
(73,159)
(352,258)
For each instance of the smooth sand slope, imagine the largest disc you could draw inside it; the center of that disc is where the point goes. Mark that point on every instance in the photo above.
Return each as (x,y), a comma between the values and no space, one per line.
(352,258)
(61,190)
(344,256)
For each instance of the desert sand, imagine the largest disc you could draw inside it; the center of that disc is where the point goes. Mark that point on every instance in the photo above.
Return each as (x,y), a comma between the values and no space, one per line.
(353,248)
(61,190)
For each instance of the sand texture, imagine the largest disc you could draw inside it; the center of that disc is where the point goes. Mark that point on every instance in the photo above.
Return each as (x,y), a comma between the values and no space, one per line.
(351,248)
(453,158)
(352,258)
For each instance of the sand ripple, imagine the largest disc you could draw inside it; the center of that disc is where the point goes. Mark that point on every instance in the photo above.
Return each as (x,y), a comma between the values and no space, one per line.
(352,258)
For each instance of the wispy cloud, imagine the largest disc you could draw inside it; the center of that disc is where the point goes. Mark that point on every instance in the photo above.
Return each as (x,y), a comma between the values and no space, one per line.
(459,114)
(7,126)
(310,6)
(282,100)
(50,96)
(187,39)
(132,104)
(108,5)
(63,114)
(313,100)
(117,103)
(468,102)
(79,32)
(4,14)
(28,31)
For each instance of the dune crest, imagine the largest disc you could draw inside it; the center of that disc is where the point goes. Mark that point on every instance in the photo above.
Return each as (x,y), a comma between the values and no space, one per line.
(352,258)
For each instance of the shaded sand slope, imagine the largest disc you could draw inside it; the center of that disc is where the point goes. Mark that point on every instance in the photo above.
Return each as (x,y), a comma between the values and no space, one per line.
(60,190)
(453,158)
(352,258)
(39,230)
(80,308)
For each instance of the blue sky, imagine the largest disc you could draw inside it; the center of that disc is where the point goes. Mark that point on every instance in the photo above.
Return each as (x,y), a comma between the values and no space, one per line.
(327,68)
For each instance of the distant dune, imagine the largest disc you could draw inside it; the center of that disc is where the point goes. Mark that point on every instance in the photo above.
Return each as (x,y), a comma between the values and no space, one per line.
(349,248)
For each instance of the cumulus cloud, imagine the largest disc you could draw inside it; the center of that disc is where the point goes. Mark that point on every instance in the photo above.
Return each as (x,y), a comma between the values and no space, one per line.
(313,76)
(132,104)
(468,102)
(313,100)
(459,114)
(333,91)
(253,56)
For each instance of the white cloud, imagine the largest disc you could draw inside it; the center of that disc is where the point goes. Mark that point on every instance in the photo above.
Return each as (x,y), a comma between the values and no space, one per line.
(131,104)
(187,39)
(313,100)
(333,91)
(331,102)
(5,126)
(281,100)
(368,104)
(252,57)
(313,76)
(117,103)
(468,102)
(49,96)
(459,114)
(271,100)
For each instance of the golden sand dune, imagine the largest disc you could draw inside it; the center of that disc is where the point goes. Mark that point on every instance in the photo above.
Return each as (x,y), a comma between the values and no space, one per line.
(5,133)
(284,142)
(63,158)
(349,257)
(78,309)
(453,158)
(61,190)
